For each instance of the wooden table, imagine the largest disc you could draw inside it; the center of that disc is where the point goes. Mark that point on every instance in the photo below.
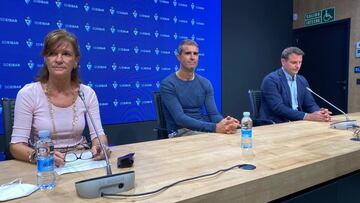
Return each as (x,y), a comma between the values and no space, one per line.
(289,157)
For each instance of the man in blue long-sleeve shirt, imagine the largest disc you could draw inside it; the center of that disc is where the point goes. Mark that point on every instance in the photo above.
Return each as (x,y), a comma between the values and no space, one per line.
(184,94)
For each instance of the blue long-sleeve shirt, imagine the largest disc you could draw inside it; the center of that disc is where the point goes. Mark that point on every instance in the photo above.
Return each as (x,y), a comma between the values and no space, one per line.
(184,101)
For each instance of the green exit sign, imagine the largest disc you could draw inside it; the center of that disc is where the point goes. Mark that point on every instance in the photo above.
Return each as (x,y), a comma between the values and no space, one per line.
(319,17)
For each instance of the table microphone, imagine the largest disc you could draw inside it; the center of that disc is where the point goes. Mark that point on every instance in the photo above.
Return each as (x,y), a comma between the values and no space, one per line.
(111,183)
(343,125)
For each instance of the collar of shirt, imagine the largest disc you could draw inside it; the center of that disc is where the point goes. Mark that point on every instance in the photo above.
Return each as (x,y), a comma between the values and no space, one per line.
(288,76)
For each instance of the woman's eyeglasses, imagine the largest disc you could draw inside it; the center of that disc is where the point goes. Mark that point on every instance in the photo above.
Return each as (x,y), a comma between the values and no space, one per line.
(86,154)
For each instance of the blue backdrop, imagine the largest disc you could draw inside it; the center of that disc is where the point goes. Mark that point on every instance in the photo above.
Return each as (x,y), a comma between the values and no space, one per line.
(127,47)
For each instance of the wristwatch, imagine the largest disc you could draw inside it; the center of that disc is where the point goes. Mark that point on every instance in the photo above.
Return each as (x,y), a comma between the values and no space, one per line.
(32,156)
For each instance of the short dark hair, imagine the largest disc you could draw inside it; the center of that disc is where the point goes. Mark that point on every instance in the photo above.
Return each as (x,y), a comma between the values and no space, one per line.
(50,42)
(186,42)
(291,50)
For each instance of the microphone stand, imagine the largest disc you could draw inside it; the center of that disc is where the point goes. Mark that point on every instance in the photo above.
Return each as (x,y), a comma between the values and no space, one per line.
(111,183)
(343,125)
(108,167)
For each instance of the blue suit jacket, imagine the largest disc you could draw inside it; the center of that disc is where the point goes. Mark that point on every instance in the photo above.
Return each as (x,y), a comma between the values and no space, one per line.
(276,98)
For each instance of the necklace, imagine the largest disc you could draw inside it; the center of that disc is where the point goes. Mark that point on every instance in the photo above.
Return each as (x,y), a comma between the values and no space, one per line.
(51,111)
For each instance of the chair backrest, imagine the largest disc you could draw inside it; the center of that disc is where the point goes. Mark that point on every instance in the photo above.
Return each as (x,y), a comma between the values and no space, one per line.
(255,102)
(8,119)
(161,129)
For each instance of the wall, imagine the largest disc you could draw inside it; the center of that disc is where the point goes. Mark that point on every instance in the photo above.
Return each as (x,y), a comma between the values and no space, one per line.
(343,9)
(254,33)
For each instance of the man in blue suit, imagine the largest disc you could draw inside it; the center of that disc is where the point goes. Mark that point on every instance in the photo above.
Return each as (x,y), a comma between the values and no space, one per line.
(284,93)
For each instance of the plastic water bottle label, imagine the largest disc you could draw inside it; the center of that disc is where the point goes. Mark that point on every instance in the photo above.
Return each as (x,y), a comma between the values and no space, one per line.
(45,164)
(246,133)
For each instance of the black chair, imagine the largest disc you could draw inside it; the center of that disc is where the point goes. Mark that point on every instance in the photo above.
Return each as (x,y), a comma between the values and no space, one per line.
(161,122)
(8,120)
(255,102)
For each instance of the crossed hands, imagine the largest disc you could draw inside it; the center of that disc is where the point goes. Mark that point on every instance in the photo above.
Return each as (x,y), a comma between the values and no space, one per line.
(321,115)
(228,125)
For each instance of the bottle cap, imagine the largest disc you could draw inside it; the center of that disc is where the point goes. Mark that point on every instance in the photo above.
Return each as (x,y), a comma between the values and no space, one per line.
(43,134)
(246,113)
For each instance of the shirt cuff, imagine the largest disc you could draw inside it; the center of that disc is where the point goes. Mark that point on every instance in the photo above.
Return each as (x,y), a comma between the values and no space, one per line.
(305,116)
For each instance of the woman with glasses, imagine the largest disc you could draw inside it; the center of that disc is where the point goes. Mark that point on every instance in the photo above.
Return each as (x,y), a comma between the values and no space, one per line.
(52,103)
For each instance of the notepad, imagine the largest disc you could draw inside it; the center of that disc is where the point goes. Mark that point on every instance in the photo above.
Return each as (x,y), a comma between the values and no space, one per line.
(80,165)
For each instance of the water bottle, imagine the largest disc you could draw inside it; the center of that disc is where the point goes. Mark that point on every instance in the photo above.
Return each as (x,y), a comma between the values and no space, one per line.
(246,142)
(246,131)
(45,161)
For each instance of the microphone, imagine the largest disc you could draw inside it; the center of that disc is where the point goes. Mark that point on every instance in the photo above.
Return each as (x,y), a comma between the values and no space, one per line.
(111,183)
(343,125)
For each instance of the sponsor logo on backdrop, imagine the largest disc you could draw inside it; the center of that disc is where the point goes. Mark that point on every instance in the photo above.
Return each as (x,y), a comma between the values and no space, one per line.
(114,84)
(113,48)
(12,86)
(156,16)
(27,1)
(135,14)
(100,67)
(157,67)
(87,27)
(89,65)
(137,84)
(112,10)
(59,24)
(101,85)
(182,5)
(135,31)
(157,51)
(9,42)
(192,6)
(115,102)
(112,29)
(29,42)
(137,67)
(98,9)
(58,3)
(114,66)
(90,84)
(175,19)
(175,3)
(103,104)
(88,46)
(158,84)
(176,68)
(8,20)
(138,101)
(156,34)
(30,64)
(28,21)
(175,35)
(11,65)
(136,49)
(86,7)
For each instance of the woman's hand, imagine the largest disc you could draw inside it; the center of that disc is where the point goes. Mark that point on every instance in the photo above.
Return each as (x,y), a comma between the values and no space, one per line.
(59,158)
(98,153)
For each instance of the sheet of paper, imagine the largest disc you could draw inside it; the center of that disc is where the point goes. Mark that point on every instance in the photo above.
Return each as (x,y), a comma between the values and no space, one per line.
(80,165)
